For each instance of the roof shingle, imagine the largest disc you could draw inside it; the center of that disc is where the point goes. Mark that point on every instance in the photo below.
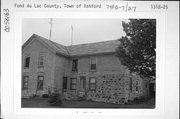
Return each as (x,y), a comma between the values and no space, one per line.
(82,49)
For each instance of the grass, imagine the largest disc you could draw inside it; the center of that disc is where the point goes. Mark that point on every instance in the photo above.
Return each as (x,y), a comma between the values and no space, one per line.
(43,103)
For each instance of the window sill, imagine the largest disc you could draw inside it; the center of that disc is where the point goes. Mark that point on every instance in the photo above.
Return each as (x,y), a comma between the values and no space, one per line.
(26,70)
(74,71)
(26,67)
(40,66)
(93,70)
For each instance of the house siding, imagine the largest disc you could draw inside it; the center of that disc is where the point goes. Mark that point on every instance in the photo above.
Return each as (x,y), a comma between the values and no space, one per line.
(33,51)
(61,70)
(112,80)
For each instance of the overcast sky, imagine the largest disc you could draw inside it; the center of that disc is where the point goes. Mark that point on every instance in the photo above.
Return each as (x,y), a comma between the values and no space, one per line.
(84,30)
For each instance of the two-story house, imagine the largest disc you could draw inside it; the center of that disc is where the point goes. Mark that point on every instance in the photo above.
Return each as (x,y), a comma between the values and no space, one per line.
(91,70)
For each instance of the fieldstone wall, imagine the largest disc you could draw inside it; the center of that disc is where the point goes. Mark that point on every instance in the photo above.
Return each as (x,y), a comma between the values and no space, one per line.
(113,88)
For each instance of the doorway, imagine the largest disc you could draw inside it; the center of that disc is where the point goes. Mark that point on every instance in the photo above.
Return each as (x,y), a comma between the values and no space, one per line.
(64,84)
(82,83)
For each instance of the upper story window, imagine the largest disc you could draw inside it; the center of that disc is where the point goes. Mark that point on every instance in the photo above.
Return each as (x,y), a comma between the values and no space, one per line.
(25,82)
(27,62)
(41,60)
(74,65)
(93,63)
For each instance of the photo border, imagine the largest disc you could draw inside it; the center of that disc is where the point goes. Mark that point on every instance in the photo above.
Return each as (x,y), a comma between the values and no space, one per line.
(160,63)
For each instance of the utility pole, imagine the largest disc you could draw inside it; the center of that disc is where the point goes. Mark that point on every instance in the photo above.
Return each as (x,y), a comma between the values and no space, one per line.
(51,23)
(72,34)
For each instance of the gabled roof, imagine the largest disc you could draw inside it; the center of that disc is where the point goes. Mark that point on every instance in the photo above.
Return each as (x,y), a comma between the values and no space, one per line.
(77,50)
(58,48)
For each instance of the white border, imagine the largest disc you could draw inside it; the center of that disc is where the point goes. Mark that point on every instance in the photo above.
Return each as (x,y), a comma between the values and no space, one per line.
(160,72)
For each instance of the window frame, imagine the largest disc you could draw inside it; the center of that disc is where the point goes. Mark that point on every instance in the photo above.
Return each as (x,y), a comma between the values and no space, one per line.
(41,55)
(65,83)
(38,81)
(71,84)
(91,63)
(74,65)
(25,62)
(23,82)
(90,84)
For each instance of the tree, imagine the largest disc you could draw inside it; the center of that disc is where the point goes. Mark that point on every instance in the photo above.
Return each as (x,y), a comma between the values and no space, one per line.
(137,50)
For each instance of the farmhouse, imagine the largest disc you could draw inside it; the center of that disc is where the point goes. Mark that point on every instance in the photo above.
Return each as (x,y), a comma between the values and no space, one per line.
(88,70)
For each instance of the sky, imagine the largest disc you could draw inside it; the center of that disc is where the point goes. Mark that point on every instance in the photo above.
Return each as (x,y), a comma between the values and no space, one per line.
(82,30)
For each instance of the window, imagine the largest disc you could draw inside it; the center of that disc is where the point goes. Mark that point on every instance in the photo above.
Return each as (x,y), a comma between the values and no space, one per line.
(41,61)
(25,82)
(74,65)
(136,85)
(92,83)
(73,83)
(93,64)
(27,62)
(130,84)
(40,82)
(65,83)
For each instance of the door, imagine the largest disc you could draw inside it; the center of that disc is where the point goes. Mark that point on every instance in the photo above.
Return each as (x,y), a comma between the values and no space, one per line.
(64,84)
(82,86)
(82,83)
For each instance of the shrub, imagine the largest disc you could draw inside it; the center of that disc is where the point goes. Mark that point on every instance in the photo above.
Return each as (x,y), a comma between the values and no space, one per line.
(45,96)
(139,99)
(81,98)
(55,99)
(33,96)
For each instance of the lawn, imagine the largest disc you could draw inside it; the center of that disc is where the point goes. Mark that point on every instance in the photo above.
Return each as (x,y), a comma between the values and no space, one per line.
(43,103)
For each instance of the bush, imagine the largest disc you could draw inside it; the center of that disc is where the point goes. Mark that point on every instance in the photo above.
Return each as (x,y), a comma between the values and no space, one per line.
(33,96)
(55,100)
(81,98)
(139,99)
(45,96)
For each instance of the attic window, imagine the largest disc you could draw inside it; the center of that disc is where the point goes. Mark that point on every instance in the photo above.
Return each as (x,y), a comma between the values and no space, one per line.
(41,61)
(27,62)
